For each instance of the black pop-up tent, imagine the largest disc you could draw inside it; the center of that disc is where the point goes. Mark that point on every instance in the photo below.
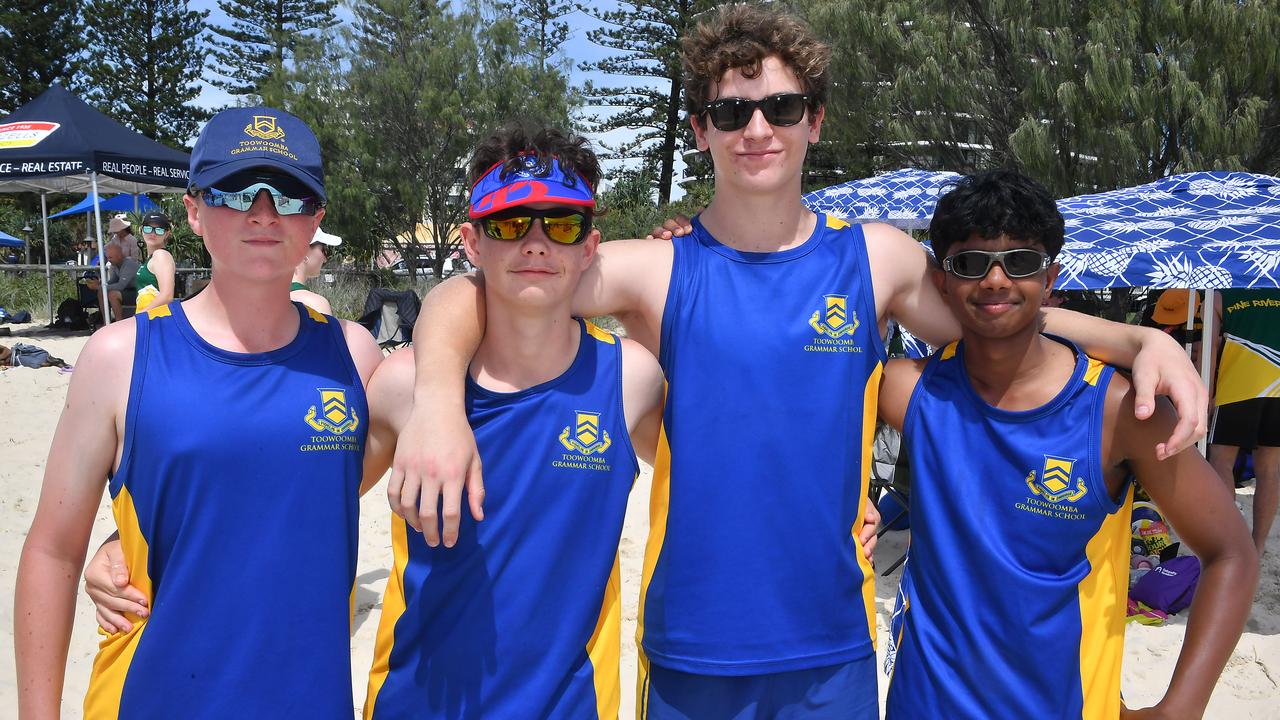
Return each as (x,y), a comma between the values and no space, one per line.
(56,143)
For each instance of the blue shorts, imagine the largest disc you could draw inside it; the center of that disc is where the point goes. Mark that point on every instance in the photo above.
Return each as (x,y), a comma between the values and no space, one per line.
(846,691)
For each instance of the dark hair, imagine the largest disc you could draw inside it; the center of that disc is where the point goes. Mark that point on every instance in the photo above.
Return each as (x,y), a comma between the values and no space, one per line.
(740,37)
(995,203)
(513,142)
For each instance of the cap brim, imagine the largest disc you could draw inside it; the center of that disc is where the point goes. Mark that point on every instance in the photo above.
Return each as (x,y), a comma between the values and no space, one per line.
(326,239)
(210,176)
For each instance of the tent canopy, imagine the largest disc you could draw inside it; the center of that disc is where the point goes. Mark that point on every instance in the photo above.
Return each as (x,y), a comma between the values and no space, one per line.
(119,203)
(1203,230)
(7,240)
(902,198)
(54,143)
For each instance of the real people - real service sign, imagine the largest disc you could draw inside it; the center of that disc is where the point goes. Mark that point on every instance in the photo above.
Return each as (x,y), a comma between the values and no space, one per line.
(30,133)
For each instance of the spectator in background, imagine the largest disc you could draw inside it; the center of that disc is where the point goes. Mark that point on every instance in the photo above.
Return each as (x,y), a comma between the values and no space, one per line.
(155,277)
(1247,393)
(1170,315)
(122,235)
(309,268)
(120,276)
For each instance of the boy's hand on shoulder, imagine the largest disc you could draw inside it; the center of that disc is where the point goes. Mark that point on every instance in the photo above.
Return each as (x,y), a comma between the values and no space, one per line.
(1163,368)
(672,227)
(1148,713)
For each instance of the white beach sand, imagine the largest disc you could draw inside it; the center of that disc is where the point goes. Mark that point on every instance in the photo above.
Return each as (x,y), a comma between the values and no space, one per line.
(30,401)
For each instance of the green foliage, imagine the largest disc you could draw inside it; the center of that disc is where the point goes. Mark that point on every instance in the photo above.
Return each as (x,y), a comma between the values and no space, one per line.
(643,36)
(40,44)
(144,64)
(261,40)
(630,210)
(1082,94)
(27,290)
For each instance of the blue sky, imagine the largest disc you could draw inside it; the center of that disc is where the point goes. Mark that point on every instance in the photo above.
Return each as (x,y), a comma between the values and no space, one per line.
(581,50)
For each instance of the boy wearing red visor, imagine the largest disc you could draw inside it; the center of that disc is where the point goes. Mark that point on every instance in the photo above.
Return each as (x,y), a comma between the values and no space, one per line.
(521,617)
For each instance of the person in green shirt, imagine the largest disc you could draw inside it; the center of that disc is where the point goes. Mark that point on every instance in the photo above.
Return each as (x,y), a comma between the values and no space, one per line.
(154,279)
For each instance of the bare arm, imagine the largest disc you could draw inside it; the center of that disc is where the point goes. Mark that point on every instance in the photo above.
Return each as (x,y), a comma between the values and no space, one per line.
(436,451)
(1160,367)
(643,392)
(84,449)
(1201,510)
(899,381)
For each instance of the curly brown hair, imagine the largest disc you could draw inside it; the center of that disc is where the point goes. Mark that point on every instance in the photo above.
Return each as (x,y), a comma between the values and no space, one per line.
(514,140)
(741,36)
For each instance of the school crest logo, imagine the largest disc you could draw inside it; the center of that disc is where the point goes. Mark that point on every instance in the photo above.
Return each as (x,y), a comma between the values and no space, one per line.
(264,127)
(334,416)
(585,435)
(1054,483)
(835,319)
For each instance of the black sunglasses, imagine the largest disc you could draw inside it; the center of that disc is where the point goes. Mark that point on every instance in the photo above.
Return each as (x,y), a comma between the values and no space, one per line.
(975,264)
(781,110)
(560,225)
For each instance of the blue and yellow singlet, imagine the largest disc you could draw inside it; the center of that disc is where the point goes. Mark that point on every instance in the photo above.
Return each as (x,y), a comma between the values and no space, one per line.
(521,618)
(1012,604)
(237,501)
(773,363)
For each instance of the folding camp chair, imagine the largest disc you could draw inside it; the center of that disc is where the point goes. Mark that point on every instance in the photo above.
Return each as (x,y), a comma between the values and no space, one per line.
(890,478)
(389,315)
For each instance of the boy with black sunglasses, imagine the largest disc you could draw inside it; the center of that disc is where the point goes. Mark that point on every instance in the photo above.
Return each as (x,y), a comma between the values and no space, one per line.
(230,431)
(1013,601)
(758,595)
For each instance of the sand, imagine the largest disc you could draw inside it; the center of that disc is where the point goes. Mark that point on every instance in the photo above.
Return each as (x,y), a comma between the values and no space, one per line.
(30,401)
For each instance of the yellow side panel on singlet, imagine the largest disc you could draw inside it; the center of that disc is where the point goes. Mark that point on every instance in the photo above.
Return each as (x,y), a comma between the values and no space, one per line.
(115,652)
(1103,594)
(605,647)
(393,606)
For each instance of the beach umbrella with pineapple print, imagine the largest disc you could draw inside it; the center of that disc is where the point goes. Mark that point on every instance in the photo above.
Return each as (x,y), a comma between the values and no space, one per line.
(1201,230)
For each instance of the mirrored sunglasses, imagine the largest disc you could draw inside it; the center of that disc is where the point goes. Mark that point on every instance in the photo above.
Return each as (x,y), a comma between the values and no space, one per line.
(242,200)
(781,110)
(154,230)
(562,226)
(975,264)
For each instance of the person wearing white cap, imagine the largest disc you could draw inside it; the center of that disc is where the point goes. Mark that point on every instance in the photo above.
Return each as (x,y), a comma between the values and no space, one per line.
(310,268)
(122,235)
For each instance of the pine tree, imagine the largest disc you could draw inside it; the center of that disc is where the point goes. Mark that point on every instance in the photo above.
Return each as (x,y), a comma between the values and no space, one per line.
(145,64)
(40,44)
(262,38)
(644,36)
(543,24)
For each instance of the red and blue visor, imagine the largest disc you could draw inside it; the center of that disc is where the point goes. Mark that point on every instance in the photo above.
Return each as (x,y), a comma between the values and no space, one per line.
(500,189)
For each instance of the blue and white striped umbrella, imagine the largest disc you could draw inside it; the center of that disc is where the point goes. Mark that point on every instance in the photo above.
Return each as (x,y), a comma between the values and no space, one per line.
(1202,230)
(902,198)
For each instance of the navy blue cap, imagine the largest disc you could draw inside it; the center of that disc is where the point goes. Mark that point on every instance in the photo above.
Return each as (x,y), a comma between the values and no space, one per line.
(256,137)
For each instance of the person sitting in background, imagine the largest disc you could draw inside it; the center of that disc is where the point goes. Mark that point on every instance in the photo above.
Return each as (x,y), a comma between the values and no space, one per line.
(120,276)
(310,268)
(154,279)
(122,235)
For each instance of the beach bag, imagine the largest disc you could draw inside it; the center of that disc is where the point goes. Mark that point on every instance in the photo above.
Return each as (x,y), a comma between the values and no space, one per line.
(71,316)
(29,355)
(1170,586)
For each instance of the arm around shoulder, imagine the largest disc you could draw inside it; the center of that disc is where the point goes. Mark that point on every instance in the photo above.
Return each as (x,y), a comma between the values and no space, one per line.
(628,279)
(904,290)
(896,387)
(643,393)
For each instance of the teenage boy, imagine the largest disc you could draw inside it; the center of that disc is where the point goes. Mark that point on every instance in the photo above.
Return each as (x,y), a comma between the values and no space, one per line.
(756,595)
(1013,599)
(231,429)
(521,618)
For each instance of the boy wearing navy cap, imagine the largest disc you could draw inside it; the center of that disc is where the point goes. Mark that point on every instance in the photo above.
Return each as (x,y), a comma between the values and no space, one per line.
(230,431)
